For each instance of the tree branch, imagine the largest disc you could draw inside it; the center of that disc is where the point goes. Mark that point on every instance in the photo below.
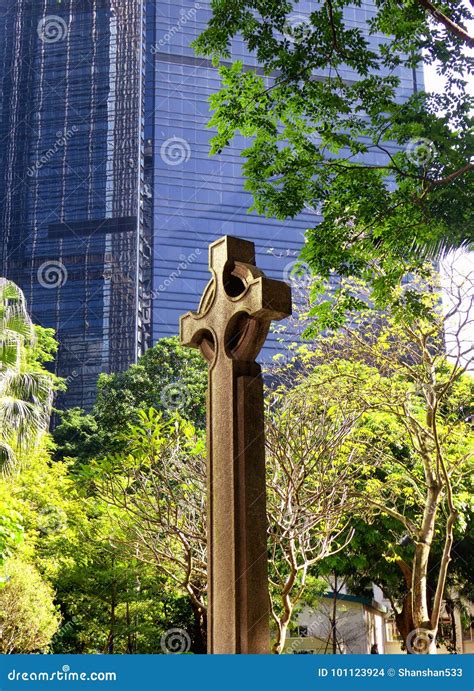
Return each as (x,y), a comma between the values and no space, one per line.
(448,23)
(453,176)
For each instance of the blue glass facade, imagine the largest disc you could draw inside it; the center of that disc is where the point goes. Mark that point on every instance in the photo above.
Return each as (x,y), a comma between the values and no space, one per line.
(72,178)
(108,197)
(198,198)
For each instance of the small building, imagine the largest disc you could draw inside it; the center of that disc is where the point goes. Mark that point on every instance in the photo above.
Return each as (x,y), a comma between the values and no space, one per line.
(339,624)
(344,624)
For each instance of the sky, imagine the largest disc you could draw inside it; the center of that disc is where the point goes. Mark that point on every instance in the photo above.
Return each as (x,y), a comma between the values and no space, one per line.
(460,263)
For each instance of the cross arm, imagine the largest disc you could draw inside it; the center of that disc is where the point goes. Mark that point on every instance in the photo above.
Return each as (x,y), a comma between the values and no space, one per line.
(269,299)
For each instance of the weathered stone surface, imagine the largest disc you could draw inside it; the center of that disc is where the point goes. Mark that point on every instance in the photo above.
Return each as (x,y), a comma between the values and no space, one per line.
(230,328)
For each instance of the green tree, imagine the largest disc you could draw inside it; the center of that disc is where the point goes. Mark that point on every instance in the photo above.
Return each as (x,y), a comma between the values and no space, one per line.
(26,388)
(78,436)
(112,603)
(55,533)
(28,616)
(11,528)
(158,487)
(381,552)
(417,398)
(314,464)
(167,378)
(309,136)
(108,601)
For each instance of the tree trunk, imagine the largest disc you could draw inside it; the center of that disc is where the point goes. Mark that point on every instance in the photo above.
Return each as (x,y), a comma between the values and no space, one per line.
(199,637)
(130,649)
(283,625)
(279,644)
(111,636)
(334,618)
(284,621)
(404,620)
(451,611)
(421,615)
(454,635)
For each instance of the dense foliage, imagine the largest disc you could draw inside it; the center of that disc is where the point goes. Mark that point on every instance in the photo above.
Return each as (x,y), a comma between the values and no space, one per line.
(369,458)
(26,388)
(167,378)
(323,97)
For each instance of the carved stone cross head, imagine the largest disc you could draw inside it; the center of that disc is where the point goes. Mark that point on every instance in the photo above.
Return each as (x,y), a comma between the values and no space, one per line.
(237,306)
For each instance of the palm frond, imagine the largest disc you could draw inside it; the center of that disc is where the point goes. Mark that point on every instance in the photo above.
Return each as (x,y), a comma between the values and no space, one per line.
(7,458)
(438,248)
(10,352)
(26,393)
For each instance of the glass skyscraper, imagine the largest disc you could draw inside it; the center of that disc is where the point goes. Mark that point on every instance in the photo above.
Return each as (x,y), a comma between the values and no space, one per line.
(72,182)
(108,197)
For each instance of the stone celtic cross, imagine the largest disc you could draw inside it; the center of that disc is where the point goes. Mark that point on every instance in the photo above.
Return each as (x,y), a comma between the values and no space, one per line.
(230,329)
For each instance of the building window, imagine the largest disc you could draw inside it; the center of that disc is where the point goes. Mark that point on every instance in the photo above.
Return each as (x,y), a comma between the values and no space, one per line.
(468,633)
(393,635)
